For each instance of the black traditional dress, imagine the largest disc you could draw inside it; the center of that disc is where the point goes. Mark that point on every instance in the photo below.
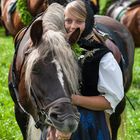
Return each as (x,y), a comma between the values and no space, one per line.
(92,125)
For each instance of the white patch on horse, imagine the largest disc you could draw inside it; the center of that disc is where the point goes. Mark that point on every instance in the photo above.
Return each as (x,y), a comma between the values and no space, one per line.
(59,72)
(33,133)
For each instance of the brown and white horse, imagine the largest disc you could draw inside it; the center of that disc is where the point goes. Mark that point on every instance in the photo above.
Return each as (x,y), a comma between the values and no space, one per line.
(16,14)
(12,17)
(43,76)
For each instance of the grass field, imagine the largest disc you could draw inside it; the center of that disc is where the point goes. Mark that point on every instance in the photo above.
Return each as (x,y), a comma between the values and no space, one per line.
(8,127)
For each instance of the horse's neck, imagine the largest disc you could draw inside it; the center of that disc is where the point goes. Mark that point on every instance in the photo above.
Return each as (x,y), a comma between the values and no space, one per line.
(22,47)
(36,6)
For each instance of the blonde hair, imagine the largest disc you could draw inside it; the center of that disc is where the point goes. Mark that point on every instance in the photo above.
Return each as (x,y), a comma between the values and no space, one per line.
(77,9)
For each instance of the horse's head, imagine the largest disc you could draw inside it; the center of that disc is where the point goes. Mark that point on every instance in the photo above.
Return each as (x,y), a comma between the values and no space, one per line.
(49,75)
(51,78)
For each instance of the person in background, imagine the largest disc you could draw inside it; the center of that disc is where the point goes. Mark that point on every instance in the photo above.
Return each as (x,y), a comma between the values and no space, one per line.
(102,81)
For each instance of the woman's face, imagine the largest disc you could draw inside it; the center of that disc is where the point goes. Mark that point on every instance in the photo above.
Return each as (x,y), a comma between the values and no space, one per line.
(72,23)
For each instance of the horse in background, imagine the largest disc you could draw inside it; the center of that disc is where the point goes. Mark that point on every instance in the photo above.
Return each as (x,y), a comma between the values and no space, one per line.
(125,44)
(128,13)
(16,14)
(43,76)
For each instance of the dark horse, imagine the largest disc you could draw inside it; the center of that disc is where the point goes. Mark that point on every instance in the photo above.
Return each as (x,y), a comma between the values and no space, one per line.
(124,42)
(119,40)
(16,14)
(128,13)
(43,76)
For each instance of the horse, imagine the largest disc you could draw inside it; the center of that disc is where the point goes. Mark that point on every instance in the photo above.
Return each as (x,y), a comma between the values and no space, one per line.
(124,42)
(119,41)
(128,13)
(43,76)
(17,14)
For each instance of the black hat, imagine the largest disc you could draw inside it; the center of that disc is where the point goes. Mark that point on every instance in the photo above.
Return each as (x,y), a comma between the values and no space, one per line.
(89,20)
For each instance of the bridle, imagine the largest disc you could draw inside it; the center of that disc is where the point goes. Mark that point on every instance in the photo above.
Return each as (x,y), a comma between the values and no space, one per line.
(43,111)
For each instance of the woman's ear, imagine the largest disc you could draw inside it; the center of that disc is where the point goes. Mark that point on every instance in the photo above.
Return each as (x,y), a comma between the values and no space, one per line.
(74,36)
(36,32)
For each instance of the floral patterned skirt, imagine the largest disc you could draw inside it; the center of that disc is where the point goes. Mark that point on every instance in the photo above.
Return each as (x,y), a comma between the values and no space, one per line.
(92,126)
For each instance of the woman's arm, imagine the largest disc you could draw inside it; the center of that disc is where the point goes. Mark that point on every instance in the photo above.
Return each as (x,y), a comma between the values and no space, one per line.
(110,85)
(97,103)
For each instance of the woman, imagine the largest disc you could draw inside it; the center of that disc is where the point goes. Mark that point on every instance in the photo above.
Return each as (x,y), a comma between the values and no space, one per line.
(102,81)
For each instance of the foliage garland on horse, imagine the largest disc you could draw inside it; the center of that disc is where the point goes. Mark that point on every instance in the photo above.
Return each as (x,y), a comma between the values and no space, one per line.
(25,15)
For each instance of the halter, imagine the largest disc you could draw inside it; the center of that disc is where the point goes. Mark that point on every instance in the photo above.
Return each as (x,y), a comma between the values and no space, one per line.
(43,117)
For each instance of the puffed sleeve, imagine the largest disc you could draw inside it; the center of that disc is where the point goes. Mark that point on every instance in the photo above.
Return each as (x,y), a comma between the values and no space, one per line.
(110,83)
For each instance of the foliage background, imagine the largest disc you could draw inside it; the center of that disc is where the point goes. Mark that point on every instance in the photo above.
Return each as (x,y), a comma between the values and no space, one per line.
(130,129)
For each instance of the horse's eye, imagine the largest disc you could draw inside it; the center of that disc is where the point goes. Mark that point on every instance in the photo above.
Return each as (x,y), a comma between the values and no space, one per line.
(36,69)
(48,59)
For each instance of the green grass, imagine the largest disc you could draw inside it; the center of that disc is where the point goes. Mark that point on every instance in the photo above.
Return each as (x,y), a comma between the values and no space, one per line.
(133,117)
(8,126)
(9,130)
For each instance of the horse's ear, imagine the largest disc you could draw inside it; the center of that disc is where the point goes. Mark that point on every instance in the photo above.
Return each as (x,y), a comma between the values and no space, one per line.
(74,36)
(36,32)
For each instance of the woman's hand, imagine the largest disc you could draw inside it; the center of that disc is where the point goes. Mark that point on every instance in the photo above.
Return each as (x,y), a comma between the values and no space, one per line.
(75,99)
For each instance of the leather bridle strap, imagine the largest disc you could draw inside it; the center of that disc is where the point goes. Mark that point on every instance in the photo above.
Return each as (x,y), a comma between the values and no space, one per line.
(43,116)
(59,100)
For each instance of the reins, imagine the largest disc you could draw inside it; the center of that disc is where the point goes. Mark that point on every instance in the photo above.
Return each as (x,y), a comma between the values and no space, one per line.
(15,78)
(43,111)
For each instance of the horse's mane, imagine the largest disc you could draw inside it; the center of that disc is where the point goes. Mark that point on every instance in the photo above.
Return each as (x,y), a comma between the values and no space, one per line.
(53,18)
(54,39)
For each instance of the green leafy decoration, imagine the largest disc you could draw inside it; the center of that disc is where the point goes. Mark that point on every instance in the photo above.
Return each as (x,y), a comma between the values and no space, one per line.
(25,15)
(77,50)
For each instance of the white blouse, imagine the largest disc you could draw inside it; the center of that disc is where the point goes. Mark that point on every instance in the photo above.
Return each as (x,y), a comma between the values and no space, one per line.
(110,83)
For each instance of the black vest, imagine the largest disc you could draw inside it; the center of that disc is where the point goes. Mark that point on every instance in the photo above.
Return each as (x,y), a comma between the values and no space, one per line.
(90,70)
